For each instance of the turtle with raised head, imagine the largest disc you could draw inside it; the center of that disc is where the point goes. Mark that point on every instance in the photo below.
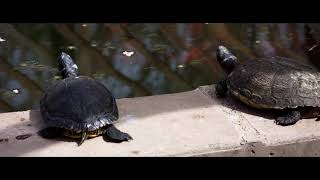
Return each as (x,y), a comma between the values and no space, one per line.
(79,107)
(290,88)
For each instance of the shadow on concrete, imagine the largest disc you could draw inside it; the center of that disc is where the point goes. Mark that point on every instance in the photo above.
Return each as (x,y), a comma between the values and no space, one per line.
(236,105)
(130,109)
(134,108)
(13,146)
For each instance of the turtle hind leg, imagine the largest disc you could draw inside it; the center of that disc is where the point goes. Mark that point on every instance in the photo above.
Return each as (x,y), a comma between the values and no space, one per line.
(112,134)
(316,113)
(50,132)
(221,89)
(289,119)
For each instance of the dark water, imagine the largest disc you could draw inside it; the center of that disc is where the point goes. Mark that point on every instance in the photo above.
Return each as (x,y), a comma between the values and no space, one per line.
(138,59)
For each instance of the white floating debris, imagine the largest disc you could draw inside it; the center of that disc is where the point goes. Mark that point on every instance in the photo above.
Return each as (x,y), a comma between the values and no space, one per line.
(206,23)
(313,47)
(16,91)
(84,25)
(180,66)
(71,47)
(257,42)
(128,53)
(94,44)
(2,39)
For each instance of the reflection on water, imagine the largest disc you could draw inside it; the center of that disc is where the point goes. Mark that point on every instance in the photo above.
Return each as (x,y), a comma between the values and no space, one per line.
(138,59)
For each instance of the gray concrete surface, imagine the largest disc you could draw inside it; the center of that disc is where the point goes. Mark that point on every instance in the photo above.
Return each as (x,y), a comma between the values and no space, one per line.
(191,123)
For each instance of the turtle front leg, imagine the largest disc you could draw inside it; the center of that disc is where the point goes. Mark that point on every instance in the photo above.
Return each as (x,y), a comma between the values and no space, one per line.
(221,89)
(289,119)
(51,132)
(112,134)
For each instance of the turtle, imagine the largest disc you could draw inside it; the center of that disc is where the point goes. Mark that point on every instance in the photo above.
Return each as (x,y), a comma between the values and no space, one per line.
(79,107)
(282,85)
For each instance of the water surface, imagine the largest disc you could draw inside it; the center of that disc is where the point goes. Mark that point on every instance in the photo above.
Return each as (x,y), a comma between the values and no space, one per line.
(138,59)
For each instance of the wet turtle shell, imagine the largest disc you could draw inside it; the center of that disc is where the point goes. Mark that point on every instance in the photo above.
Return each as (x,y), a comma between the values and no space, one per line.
(275,83)
(79,104)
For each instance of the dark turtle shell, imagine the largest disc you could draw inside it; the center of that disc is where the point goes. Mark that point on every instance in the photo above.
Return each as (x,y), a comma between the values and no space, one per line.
(275,83)
(79,104)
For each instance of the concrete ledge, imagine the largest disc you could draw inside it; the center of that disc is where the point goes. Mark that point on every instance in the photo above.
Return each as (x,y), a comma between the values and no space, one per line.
(191,123)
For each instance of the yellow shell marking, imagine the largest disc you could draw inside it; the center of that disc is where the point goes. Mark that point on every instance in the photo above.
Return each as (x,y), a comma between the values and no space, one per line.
(73,134)
(248,101)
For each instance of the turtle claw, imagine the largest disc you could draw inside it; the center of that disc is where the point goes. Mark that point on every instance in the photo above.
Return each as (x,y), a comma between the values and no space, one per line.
(126,137)
(282,121)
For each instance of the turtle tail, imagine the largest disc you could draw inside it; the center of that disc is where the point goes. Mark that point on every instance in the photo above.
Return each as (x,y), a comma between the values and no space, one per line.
(84,136)
(67,67)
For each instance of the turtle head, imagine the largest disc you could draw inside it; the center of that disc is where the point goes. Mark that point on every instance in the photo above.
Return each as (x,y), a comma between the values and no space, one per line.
(226,59)
(66,66)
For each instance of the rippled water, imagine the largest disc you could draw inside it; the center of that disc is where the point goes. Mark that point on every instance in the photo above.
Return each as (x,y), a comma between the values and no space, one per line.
(138,59)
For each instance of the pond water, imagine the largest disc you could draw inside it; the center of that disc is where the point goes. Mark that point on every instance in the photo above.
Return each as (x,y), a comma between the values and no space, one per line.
(138,59)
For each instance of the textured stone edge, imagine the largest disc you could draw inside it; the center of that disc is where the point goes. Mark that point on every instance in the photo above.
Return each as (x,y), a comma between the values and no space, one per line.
(255,143)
